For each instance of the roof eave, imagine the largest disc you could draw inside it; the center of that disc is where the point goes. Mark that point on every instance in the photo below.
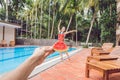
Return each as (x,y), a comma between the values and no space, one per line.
(11,25)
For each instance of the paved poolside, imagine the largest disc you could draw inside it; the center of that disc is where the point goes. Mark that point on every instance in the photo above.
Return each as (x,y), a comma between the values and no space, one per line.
(72,70)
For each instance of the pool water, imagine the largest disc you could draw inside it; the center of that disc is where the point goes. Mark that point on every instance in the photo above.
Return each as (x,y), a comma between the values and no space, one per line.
(10,58)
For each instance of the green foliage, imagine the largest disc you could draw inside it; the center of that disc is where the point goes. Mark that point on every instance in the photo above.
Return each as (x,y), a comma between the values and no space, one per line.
(108,23)
(85,46)
(2,14)
(104,25)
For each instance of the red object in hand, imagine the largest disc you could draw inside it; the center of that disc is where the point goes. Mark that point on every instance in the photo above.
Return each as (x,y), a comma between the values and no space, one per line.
(60,46)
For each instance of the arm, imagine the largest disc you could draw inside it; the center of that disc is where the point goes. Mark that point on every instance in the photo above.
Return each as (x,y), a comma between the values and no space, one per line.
(58,28)
(59,25)
(24,70)
(70,31)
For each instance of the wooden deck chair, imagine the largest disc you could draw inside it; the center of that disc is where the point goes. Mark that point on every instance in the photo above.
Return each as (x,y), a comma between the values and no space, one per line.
(102,58)
(98,51)
(12,43)
(3,43)
(105,49)
(106,67)
(115,54)
(107,64)
(115,51)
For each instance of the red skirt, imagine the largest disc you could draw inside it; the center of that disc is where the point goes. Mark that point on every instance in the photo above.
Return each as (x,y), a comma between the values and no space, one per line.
(60,46)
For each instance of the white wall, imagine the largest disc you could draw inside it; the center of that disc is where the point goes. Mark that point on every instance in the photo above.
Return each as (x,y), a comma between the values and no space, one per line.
(9,34)
(1,33)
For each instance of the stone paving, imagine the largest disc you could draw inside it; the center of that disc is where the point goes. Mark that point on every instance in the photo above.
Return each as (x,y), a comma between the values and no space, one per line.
(72,70)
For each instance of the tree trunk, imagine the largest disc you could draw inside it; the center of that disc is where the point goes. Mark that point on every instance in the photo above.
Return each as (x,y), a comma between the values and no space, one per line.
(52,27)
(76,32)
(72,36)
(41,19)
(49,21)
(31,24)
(110,10)
(53,24)
(21,28)
(6,19)
(91,25)
(3,33)
(26,27)
(36,23)
(69,22)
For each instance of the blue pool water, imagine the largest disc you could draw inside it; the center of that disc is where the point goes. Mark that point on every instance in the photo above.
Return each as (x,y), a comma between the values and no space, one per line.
(10,58)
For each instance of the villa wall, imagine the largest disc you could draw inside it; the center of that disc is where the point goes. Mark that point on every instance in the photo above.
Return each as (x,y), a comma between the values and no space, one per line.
(9,34)
(40,42)
(1,33)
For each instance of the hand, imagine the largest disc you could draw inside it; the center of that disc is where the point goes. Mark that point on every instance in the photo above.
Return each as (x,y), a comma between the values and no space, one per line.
(41,53)
(24,70)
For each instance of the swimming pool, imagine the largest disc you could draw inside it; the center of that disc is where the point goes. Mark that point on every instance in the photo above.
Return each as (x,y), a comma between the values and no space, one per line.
(10,58)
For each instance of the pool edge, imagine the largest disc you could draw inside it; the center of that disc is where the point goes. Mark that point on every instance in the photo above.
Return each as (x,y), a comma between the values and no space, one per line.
(46,65)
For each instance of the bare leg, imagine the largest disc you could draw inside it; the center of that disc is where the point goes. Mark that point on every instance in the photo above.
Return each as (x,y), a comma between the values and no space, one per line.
(67,55)
(61,56)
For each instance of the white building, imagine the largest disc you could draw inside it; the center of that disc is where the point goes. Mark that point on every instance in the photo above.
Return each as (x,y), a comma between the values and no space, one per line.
(7,31)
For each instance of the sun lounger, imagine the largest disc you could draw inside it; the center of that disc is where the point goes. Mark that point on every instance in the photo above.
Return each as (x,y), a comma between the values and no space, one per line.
(107,64)
(105,49)
(115,51)
(12,43)
(3,43)
(98,51)
(102,58)
(106,67)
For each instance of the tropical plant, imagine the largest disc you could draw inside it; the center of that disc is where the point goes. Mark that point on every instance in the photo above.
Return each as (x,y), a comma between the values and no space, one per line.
(40,18)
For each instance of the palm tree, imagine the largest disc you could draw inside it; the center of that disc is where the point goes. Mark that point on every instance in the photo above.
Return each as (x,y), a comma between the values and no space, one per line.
(53,21)
(93,5)
(4,5)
